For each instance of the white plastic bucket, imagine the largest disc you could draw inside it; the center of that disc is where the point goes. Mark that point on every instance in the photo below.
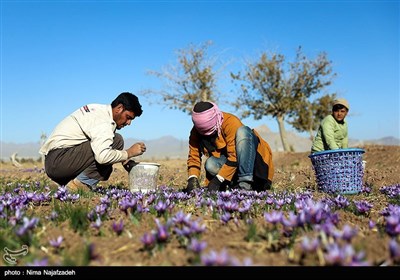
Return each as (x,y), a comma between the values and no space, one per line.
(143,176)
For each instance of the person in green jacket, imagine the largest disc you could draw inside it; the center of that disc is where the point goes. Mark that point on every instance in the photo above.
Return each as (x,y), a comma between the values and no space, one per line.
(332,133)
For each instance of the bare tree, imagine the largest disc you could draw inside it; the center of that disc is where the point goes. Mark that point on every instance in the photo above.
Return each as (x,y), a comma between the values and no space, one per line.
(191,80)
(268,88)
(307,117)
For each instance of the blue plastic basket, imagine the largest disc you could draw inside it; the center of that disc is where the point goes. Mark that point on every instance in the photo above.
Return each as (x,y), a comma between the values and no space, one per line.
(339,171)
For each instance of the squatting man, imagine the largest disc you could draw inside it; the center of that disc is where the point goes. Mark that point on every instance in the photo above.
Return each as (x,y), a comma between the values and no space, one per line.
(83,147)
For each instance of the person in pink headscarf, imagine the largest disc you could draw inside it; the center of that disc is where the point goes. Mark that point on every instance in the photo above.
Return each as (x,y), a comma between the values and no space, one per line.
(237,156)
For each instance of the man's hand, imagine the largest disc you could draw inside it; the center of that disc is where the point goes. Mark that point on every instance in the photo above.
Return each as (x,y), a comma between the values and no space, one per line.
(214,184)
(192,184)
(136,149)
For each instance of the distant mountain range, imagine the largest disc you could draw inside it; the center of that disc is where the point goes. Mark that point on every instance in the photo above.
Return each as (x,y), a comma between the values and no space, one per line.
(171,147)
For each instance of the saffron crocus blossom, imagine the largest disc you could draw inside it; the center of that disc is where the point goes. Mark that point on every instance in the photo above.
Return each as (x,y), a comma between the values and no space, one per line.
(371,224)
(348,233)
(226,217)
(336,255)
(161,233)
(341,201)
(246,206)
(197,227)
(37,262)
(197,246)
(101,209)
(274,217)
(394,249)
(127,203)
(309,245)
(161,207)
(53,215)
(216,259)
(118,227)
(181,218)
(91,249)
(17,217)
(393,225)
(185,231)
(28,224)
(279,203)
(363,206)
(230,206)
(392,191)
(291,221)
(97,223)
(148,240)
(56,243)
(391,210)
(105,200)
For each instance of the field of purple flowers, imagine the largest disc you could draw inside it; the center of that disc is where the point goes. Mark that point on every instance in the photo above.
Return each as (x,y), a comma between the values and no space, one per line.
(293,224)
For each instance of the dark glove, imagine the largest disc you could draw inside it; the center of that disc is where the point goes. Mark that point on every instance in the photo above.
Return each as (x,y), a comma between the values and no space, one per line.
(214,184)
(192,183)
(128,166)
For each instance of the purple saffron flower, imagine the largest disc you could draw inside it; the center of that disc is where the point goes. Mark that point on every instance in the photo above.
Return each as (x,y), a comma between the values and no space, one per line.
(30,224)
(181,218)
(371,224)
(363,206)
(394,249)
(148,240)
(101,209)
(185,231)
(291,221)
(226,217)
(97,223)
(161,232)
(118,227)
(216,259)
(334,255)
(105,200)
(279,203)
(92,252)
(56,243)
(36,262)
(341,201)
(246,206)
(197,246)
(274,217)
(161,207)
(393,225)
(310,245)
(197,227)
(348,233)
(230,206)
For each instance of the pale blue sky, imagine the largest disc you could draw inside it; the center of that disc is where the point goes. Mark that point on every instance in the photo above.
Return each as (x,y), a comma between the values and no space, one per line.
(59,55)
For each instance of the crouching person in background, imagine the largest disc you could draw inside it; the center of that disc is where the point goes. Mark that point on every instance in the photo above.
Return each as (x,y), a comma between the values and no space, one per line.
(236,156)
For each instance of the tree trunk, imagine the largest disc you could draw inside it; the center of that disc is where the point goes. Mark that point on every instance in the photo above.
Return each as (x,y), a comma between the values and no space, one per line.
(204,95)
(282,133)
(311,134)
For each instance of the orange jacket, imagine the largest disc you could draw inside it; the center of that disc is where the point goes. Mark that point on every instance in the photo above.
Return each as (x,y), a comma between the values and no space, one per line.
(225,145)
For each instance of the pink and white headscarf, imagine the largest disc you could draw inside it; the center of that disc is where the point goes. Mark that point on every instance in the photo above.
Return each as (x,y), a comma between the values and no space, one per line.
(208,121)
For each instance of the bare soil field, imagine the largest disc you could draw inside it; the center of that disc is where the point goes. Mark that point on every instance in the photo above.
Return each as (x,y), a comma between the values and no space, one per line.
(170,228)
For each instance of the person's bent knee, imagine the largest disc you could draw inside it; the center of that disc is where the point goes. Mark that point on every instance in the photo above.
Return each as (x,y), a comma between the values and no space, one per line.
(211,166)
(243,132)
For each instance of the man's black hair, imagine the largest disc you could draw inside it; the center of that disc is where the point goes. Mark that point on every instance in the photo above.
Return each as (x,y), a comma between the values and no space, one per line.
(130,103)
